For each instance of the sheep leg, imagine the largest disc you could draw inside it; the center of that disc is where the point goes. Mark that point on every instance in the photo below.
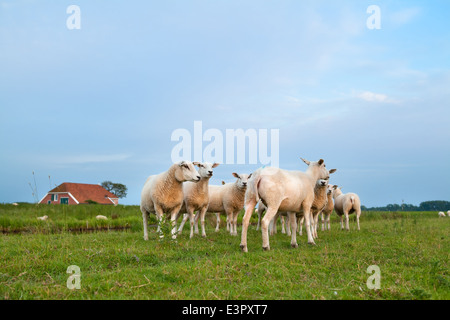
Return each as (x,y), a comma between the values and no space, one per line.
(185,217)
(235,217)
(301,220)
(259,212)
(358,213)
(288,226)
(173,221)
(218,221)
(270,214)
(283,225)
(323,221)
(202,219)
(307,215)
(197,216)
(346,222)
(191,217)
(249,207)
(293,224)
(342,222)
(145,219)
(329,223)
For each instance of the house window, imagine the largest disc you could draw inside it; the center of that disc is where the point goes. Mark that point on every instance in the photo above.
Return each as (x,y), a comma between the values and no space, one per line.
(53,197)
(56,197)
(49,202)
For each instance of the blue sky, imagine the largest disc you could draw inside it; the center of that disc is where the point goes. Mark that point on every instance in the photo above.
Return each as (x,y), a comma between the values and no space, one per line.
(100,103)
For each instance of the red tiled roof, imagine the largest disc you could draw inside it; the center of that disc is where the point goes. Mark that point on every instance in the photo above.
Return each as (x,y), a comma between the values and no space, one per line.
(83,192)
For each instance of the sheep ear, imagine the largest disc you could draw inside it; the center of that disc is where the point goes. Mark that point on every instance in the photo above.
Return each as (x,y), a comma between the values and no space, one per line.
(223,182)
(249,175)
(215,164)
(235,175)
(320,162)
(195,163)
(335,187)
(182,163)
(306,161)
(332,171)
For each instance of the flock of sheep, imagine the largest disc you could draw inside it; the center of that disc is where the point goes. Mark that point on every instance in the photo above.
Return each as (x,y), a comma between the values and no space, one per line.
(297,195)
(442,214)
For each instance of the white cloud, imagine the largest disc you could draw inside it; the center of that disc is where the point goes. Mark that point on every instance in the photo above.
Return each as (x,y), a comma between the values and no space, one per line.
(374,97)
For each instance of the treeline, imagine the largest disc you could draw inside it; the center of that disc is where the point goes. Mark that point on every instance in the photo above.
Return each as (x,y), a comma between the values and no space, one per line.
(423,206)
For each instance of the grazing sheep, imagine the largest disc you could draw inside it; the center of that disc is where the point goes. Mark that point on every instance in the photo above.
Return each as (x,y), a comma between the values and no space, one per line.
(282,190)
(15,204)
(196,195)
(328,210)
(43,218)
(441,214)
(163,193)
(448,213)
(229,199)
(100,217)
(345,204)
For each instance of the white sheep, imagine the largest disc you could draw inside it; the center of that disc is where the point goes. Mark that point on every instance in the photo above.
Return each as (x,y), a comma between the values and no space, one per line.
(318,205)
(345,204)
(163,193)
(448,213)
(282,190)
(441,214)
(229,199)
(43,218)
(328,210)
(100,217)
(196,195)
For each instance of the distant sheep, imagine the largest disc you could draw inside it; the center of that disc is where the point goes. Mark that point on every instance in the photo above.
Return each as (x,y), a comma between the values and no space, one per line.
(43,218)
(345,204)
(163,193)
(100,217)
(441,214)
(448,213)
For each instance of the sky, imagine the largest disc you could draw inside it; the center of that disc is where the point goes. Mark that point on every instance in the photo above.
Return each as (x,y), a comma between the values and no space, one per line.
(101,102)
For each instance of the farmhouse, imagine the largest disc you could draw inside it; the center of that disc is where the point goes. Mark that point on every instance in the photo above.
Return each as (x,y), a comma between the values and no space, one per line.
(79,193)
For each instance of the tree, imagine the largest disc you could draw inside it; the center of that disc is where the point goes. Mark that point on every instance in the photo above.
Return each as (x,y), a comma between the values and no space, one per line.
(120,190)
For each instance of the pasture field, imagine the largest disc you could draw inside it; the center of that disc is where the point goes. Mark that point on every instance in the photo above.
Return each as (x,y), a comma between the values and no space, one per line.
(411,249)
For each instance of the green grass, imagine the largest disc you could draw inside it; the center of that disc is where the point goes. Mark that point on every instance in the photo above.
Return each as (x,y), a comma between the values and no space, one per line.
(412,250)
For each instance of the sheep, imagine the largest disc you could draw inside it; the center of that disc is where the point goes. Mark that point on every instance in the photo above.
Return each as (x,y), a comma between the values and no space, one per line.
(448,213)
(345,204)
(441,214)
(328,210)
(282,190)
(43,218)
(163,193)
(229,199)
(319,204)
(196,195)
(100,217)
(15,204)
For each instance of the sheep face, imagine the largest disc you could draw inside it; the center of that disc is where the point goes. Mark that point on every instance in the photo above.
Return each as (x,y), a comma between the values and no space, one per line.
(242,179)
(187,172)
(205,169)
(321,183)
(323,173)
(330,189)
